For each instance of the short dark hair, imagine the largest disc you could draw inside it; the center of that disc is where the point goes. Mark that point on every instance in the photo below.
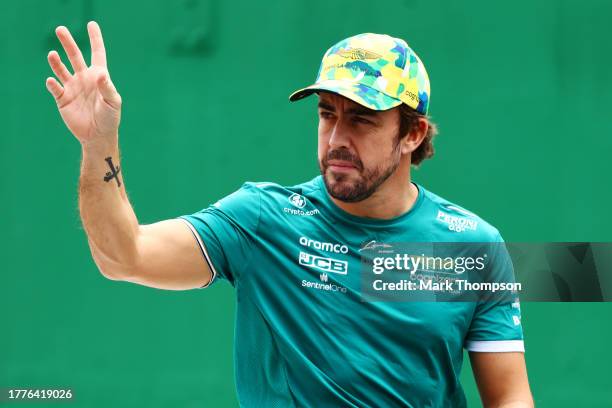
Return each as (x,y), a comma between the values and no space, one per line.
(408,119)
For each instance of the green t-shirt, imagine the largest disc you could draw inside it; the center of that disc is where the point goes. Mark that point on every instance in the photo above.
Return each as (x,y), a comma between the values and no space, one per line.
(303,338)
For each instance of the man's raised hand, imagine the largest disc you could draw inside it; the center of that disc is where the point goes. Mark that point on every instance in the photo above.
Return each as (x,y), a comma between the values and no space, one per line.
(87,99)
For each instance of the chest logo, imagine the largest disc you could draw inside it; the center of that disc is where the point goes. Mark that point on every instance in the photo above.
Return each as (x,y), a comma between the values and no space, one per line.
(323,264)
(297,200)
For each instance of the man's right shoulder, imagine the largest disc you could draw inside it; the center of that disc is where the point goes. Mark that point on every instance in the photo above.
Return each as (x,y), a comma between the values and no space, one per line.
(268,187)
(267,194)
(270,192)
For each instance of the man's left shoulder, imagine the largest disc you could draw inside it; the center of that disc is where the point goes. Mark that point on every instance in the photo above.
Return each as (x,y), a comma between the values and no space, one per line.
(459,220)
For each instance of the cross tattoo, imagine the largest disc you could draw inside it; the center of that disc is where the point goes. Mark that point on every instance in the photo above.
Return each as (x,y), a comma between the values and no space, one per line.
(114,173)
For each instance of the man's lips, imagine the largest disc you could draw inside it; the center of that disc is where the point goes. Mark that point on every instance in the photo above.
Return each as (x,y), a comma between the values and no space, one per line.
(340,165)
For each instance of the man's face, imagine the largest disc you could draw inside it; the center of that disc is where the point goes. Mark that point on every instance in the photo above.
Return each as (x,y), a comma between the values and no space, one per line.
(358,147)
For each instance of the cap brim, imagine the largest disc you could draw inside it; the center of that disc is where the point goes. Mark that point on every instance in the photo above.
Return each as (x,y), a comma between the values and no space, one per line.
(358,93)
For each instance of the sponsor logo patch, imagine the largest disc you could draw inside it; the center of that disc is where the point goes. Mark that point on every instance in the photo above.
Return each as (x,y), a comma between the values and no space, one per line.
(323,264)
(324,246)
(457,224)
(297,200)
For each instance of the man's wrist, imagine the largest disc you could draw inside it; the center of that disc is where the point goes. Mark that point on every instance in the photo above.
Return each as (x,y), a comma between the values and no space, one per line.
(101,146)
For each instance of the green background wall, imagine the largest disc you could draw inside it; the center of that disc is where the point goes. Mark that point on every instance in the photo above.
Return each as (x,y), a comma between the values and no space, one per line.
(521,92)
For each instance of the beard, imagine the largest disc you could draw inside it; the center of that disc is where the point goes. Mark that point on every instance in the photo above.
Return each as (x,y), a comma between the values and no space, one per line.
(351,188)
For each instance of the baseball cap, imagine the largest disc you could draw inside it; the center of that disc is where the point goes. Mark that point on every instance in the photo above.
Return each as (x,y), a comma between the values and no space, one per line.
(377,71)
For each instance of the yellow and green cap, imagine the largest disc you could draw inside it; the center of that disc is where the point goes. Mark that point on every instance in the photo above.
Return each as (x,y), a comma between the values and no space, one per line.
(377,71)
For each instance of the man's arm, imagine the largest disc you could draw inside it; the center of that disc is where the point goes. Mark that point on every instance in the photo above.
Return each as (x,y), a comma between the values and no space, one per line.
(502,379)
(162,255)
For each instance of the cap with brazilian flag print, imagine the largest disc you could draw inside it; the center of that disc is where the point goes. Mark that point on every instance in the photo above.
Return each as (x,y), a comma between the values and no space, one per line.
(377,71)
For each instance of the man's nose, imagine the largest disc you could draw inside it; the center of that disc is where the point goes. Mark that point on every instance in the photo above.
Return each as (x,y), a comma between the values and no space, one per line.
(340,134)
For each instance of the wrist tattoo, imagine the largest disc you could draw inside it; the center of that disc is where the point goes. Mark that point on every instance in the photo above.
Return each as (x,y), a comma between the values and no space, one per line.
(114,173)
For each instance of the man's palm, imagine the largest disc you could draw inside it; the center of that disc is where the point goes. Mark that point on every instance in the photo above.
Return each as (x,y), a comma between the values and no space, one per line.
(87,100)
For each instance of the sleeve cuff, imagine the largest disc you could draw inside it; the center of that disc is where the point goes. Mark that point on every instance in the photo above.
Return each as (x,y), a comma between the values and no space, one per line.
(204,252)
(495,346)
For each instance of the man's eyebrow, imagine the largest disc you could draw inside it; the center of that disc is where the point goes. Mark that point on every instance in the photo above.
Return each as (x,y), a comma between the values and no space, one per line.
(326,106)
(352,111)
(362,111)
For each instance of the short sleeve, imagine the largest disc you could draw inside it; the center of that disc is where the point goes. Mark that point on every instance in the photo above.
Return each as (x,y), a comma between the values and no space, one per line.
(226,232)
(496,325)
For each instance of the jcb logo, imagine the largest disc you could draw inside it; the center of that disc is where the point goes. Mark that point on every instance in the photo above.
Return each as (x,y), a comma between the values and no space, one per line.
(323,264)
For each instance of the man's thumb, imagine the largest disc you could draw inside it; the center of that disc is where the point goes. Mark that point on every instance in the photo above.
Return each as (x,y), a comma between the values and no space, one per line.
(107,90)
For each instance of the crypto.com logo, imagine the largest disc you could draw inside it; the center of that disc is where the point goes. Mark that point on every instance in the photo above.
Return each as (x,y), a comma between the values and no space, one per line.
(297,200)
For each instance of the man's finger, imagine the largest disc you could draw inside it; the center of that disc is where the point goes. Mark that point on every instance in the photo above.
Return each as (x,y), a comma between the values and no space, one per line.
(71,48)
(54,88)
(108,91)
(58,67)
(98,53)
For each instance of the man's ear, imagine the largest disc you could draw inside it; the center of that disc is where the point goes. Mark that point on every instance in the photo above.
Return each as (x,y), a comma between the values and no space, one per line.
(415,137)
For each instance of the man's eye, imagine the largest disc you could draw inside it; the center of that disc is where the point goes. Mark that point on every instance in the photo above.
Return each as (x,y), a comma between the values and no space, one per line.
(362,120)
(325,115)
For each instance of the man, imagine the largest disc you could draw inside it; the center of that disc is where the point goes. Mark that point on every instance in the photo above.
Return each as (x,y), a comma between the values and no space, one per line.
(304,337)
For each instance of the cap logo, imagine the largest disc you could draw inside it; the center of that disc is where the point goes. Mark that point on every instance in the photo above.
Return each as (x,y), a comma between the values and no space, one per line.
(376,71)
(358,54)
(412,96)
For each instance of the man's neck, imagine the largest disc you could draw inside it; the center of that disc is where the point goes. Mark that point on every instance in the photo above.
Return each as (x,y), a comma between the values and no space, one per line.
(394,197)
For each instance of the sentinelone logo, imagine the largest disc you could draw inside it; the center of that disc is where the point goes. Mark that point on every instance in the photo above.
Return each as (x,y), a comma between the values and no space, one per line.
(328,287)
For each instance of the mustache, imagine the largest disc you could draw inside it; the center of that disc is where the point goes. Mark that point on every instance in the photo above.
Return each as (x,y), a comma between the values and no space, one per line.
(344,155)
